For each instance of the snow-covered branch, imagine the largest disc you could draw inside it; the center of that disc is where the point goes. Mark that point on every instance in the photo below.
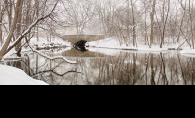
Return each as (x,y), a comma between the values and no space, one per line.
(30,28)
(51,58)
(56,73)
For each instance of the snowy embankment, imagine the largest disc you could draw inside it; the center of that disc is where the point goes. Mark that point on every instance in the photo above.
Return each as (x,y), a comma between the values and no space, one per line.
(113,43)
(14,76)
(45,44)
(188,52)
(110,43)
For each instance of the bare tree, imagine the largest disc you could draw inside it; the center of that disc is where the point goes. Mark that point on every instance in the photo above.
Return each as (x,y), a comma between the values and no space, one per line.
(9,9)
(134,23)
(191,21)
(182,20)
(7,47)
(17,13)
(164,22)
(37,14)
(1,17)
(78,13)
(18,28)
(152,23)
(126,19)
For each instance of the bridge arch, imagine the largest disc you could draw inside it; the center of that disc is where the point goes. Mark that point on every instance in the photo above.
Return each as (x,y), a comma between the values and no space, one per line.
(75,38)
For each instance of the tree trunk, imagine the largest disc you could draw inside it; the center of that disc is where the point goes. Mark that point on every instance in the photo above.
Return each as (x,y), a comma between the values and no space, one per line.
(37,8)
(18,28)
(146,35)
(128,23)
(191,25)
(9,9)
(134,23)
(152,23)
(165,23)
(28,15)
(1,41)
(182,20)
(8,40)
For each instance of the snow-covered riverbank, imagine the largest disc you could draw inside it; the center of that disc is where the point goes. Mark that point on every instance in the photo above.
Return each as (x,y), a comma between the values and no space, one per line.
(188,51)
(112,43)
(14,76)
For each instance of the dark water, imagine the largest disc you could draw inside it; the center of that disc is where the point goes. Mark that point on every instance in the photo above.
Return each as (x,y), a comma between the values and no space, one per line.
(109,67)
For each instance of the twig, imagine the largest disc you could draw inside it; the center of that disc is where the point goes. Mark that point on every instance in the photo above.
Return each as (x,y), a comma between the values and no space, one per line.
(57,73)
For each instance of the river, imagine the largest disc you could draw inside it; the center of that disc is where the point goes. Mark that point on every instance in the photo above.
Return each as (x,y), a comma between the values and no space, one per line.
(109,67)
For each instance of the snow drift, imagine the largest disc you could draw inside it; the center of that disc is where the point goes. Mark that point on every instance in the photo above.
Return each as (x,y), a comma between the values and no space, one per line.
(14,76)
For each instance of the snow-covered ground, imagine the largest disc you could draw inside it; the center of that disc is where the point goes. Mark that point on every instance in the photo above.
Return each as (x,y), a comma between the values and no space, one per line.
(106,46)
(14,76)
(41,41)
(112,43)
(188,51)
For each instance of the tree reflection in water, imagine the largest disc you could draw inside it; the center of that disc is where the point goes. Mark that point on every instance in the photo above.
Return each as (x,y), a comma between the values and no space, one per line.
(125,68)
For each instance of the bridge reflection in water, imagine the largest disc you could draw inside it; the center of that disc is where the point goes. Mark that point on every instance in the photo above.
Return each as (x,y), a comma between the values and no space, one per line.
(80,52)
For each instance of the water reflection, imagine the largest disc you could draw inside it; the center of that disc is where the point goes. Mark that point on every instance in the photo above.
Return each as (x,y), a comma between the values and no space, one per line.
(97,68)
(81,49)
(82,52)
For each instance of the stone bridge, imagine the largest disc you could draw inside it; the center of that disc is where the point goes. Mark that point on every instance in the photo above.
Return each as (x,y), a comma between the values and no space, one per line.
(75,38)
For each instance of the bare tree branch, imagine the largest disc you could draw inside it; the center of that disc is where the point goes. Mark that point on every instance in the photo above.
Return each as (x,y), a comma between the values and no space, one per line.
(4,50)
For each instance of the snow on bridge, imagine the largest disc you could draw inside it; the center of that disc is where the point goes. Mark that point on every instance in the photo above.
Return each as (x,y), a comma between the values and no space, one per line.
(75,38)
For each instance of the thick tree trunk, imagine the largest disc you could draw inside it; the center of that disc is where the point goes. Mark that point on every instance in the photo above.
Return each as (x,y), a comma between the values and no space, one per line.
(19,21)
